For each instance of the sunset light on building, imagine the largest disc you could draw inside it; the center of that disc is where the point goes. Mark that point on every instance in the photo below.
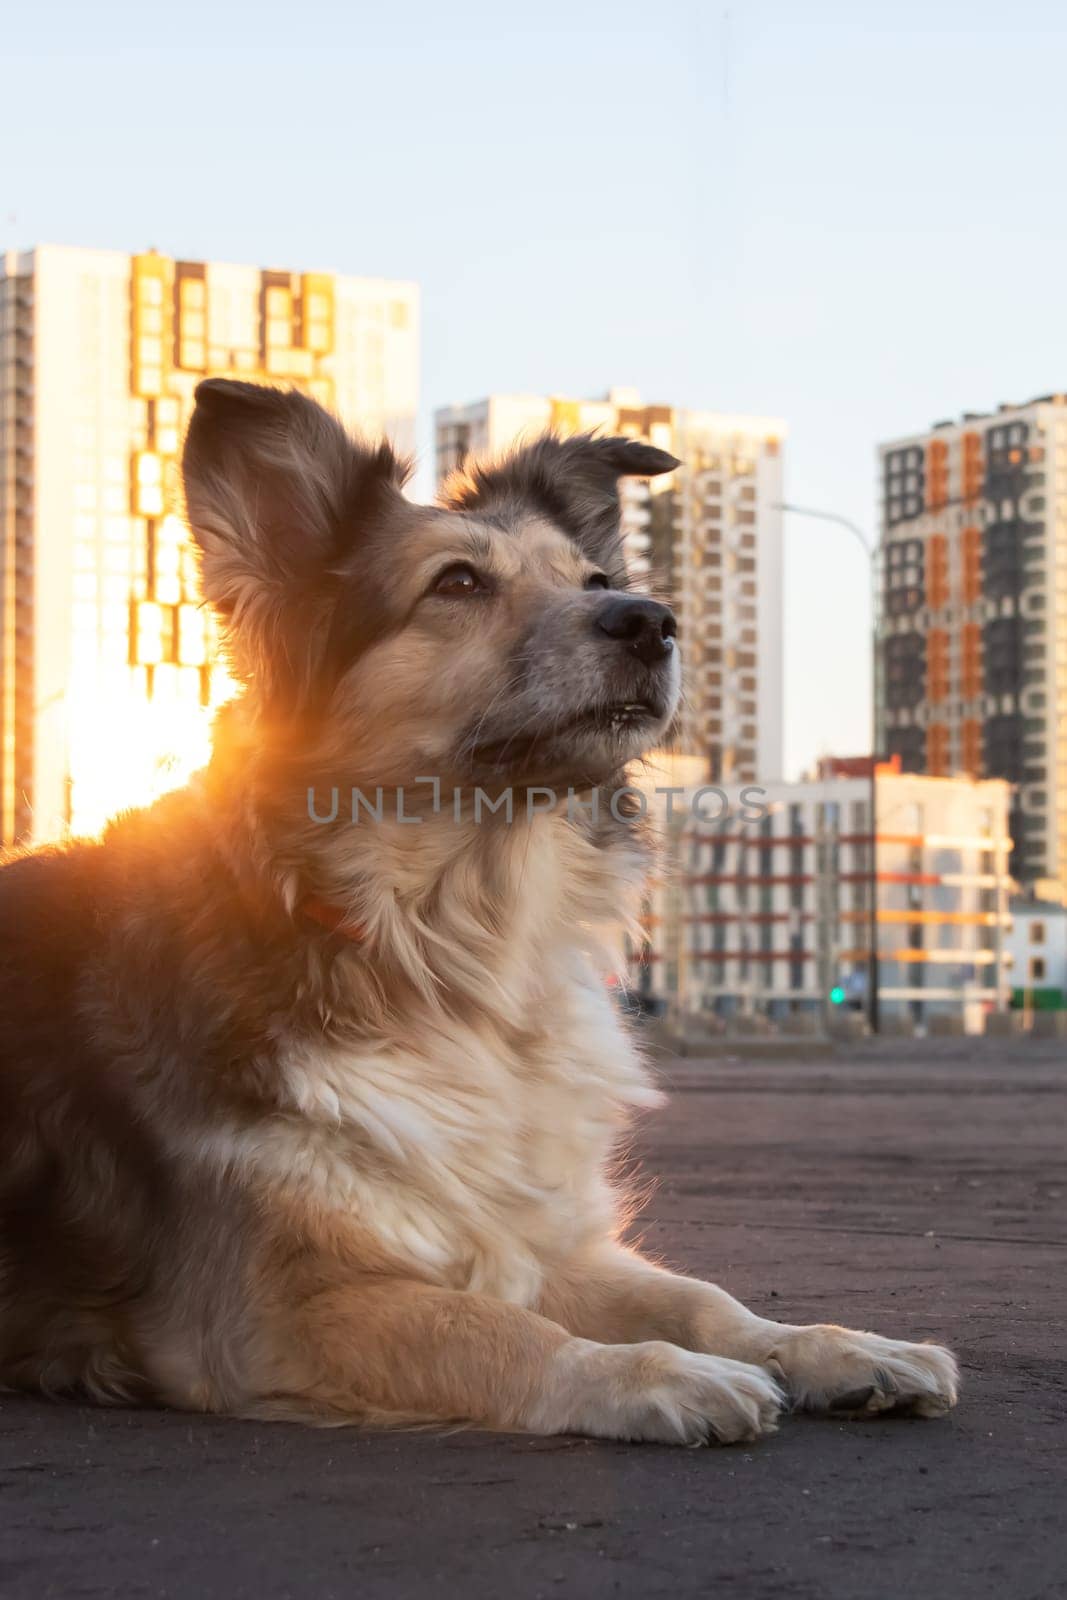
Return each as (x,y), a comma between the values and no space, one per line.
(112,673)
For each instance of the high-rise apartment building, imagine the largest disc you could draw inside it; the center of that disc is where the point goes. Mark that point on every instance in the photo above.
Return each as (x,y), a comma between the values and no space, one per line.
(973,626)
(108,669)
(708,537)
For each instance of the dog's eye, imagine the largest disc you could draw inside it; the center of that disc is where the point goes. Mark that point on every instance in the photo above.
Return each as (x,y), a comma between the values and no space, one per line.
(459,582)
(597,580)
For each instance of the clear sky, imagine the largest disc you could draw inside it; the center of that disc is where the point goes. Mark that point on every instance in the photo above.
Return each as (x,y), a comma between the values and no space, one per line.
(846,214)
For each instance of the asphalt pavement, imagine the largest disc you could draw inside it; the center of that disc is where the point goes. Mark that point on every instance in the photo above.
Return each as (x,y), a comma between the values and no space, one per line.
(920,1190)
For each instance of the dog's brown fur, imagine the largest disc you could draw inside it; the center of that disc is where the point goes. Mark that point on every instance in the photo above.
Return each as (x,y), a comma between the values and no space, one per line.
(250,1164)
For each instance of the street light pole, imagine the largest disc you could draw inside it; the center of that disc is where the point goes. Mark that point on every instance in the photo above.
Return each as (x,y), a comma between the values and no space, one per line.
(871,552)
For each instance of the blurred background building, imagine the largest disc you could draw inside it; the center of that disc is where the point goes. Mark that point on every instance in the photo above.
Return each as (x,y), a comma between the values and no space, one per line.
(1037,953)
(110,674)
(108,668)
(707,537)
(973,628)
(772,916)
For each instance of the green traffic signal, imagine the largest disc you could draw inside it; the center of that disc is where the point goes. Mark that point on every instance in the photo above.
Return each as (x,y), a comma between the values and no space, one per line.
(837,995)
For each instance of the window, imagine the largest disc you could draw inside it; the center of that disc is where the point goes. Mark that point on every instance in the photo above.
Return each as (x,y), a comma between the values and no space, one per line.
(1037,969)
(1037,933)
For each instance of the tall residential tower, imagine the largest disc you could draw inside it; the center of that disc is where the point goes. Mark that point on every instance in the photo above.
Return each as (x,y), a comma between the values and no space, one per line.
(973,627)
(108,671)
(709,537)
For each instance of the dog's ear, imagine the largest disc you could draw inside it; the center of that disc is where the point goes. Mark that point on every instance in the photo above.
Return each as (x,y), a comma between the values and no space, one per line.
(276,494)
(574,482)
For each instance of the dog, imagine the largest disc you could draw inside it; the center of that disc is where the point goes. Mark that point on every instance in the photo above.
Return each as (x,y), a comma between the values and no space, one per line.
(311,1078)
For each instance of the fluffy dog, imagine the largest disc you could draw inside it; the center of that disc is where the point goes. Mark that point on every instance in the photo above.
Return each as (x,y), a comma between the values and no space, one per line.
(307,1112)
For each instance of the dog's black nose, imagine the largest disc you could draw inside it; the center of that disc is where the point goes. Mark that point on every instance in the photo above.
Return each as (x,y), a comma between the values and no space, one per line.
(645,626)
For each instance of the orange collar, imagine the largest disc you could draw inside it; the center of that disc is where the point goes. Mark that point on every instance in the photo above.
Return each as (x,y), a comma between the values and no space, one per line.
(332,919)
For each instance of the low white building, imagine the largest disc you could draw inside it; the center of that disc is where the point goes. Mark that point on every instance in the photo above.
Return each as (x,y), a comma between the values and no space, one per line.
(1036,948)
(769,909)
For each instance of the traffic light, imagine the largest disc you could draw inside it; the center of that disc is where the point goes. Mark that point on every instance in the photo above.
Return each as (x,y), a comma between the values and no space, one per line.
(837,995)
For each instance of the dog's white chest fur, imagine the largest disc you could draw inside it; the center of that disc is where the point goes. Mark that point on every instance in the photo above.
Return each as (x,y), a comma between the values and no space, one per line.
(471,1162)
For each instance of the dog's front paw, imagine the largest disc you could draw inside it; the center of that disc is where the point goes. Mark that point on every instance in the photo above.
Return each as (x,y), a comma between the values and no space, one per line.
(662,1393)
(826,1368)
(698,1399)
